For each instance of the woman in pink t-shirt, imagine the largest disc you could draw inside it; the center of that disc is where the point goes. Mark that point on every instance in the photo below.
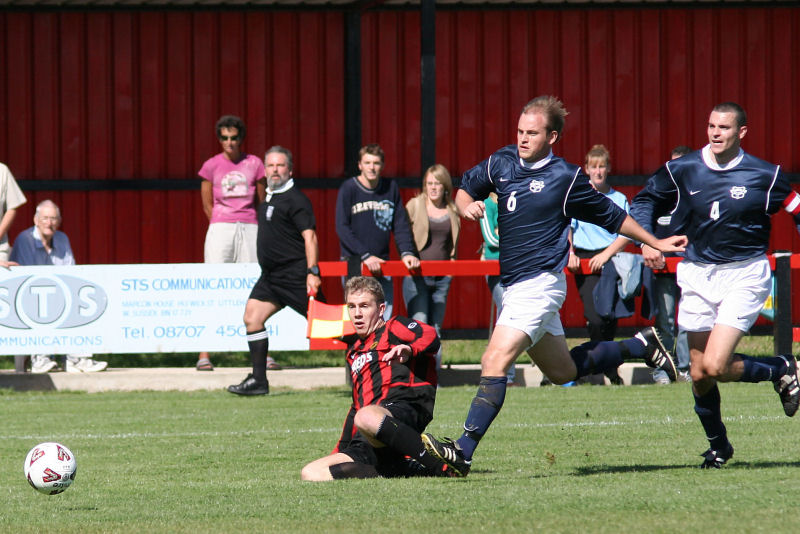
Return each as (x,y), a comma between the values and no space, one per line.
(232,188)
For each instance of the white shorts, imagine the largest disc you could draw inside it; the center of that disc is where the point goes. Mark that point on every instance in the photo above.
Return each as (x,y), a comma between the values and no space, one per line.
(231,243)
(533,306)
(731,294)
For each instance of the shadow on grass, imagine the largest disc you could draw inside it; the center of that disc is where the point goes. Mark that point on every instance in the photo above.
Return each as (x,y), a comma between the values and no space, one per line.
(734,464)
(600,469)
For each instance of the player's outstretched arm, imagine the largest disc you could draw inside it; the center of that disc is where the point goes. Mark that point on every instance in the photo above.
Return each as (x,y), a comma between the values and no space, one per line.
(673,243)
(468,207)
(633,230)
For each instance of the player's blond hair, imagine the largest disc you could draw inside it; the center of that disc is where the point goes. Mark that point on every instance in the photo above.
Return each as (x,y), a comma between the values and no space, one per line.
(553,110)
(357,284)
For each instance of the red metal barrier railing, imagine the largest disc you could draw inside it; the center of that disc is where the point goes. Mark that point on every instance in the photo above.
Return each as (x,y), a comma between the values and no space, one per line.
(448,268)
(478,267)
(780,262)
(428,268)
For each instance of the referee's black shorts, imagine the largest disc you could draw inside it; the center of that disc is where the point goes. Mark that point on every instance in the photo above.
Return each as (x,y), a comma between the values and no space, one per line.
(295,297)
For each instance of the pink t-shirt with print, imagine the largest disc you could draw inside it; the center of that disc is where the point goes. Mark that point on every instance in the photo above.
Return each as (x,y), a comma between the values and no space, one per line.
(233,187)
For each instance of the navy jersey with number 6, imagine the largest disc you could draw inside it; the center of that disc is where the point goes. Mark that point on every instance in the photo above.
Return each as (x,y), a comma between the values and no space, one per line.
(535,204)
(726,211)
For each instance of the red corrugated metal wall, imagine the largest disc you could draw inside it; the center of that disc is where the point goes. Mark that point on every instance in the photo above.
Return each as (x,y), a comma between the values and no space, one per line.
(108,95)
(135,94)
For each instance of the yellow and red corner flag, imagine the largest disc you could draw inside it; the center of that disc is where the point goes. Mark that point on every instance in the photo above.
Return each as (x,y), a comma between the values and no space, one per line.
(325,322)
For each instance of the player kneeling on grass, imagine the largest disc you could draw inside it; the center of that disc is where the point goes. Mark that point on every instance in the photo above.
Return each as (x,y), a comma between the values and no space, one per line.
(394,389)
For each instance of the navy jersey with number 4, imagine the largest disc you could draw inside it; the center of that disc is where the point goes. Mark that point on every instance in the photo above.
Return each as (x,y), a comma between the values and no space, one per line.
(535,204)
(726,211)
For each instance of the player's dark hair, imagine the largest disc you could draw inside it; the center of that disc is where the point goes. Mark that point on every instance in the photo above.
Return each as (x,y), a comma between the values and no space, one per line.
(280,150)
(552,108)
(231,121)
(373,149)
(358,284)
(733,107)
(680,150)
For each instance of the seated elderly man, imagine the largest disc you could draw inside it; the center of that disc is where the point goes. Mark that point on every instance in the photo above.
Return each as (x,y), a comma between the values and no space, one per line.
(43,244)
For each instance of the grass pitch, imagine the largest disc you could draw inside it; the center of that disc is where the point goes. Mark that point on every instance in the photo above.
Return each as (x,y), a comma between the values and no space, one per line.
(601,459)
(455,351)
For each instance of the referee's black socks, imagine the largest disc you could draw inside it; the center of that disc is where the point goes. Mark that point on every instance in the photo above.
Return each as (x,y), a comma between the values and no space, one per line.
(258,342)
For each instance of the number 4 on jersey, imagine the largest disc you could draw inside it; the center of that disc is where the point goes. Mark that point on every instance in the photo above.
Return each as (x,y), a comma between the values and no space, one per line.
(714,210)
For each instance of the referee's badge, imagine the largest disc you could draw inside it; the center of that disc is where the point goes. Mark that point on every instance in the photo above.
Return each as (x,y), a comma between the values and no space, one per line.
(536,186)
(738,191)
(270,209)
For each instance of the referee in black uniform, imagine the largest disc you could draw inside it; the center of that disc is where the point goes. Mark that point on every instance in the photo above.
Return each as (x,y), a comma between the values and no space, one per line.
(288,254)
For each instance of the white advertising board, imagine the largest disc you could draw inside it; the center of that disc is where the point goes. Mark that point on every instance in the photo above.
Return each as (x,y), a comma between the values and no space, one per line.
(185,307)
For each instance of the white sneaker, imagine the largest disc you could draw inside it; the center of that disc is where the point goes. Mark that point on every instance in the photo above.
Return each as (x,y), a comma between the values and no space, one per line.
(85,365)
(662,380)
(41,363)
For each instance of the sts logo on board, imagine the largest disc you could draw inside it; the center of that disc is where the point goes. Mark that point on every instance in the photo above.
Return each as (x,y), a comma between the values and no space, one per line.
(57,301)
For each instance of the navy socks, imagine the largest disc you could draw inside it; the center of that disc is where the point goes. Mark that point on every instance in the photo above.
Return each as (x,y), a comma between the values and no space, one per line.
(707,408)
(601,356)
(485,407)
(632,348)
(761,369)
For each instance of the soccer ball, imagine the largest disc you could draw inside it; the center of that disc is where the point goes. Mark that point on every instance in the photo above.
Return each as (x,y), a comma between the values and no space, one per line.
(50,468)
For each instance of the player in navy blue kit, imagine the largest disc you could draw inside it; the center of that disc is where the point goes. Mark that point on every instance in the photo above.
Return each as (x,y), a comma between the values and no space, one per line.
(538,193)
(726,197)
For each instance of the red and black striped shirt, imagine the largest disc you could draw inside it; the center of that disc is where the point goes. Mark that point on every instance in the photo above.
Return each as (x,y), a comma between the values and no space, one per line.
(379,382)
